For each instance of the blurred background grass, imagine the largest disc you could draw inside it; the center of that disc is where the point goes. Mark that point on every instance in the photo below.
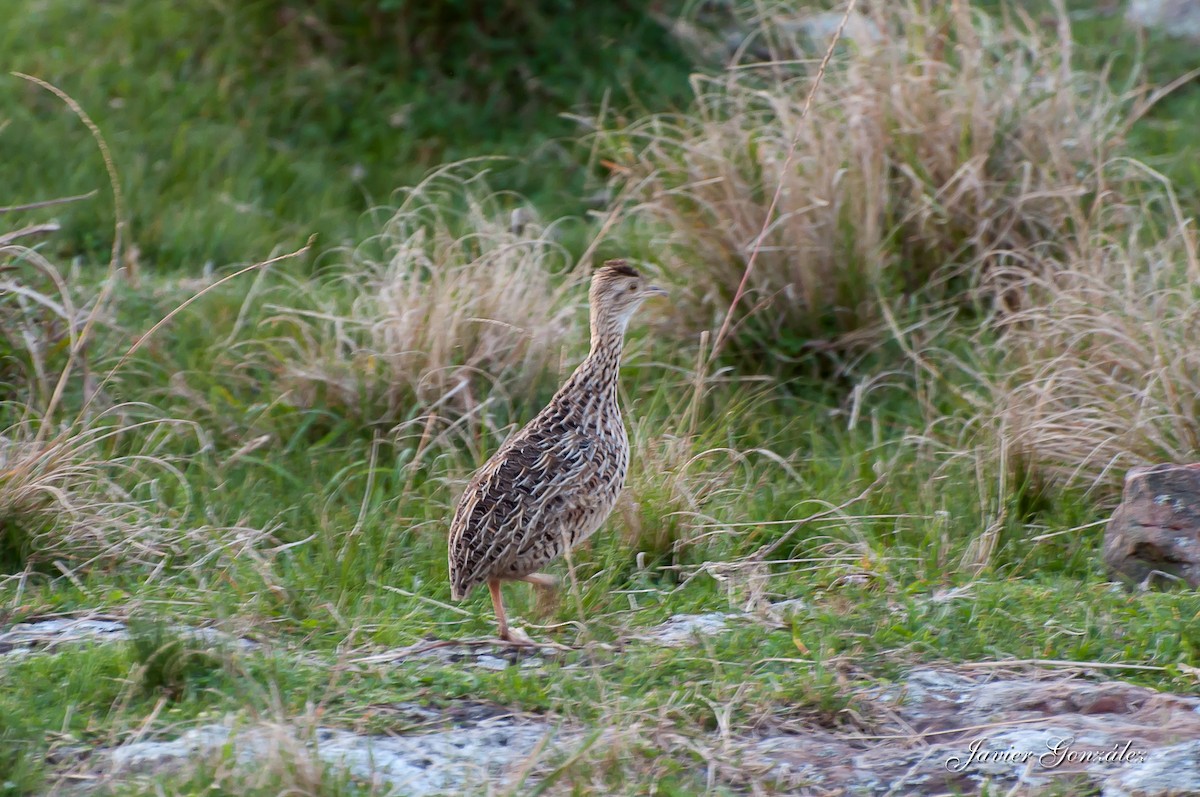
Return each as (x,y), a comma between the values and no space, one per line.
(237,127)
(241,127)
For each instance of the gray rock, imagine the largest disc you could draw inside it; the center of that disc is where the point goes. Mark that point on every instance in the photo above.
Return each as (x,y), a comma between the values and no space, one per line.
(435,763)
(498,658)
(416,765)
(788,33)
(782,612)
(45,635)
(1154,535)
(1170,772)
(684,629)
(1175,17)
(943,731)
(154,756)
(821,27)
(939,731)
(25,638)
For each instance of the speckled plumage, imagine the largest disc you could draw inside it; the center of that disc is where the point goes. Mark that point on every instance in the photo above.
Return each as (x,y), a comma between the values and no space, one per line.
(553,483)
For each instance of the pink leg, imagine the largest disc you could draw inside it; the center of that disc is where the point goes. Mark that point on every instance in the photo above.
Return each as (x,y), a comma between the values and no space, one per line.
(498,605)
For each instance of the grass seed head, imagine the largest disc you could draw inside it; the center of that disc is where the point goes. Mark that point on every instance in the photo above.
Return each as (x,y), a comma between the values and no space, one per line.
(946,139)
(448,304)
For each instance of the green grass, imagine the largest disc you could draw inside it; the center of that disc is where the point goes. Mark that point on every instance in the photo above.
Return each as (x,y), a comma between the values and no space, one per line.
(322,536)
(364,554)
(234,134)
(360,535)
(1134,59)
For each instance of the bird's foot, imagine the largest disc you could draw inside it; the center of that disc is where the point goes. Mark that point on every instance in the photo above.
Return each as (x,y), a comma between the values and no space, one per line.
(517,638)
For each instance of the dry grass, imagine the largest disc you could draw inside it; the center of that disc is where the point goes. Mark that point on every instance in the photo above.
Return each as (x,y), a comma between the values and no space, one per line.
(71,491)
(73,497)
(944,139)
(669,491)
(38,317)
(1104,367)
(83,481)
(454,298)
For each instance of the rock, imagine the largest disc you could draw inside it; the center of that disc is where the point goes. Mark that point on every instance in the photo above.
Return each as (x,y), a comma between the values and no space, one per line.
(800,35)
(1154,535)
(820,28)
(46,635)
(24,638)
(944,731)
(1179,18)
(155,756)
(684,629)
(451,761)
(465,655)
(781,612)
(1170,772)
(939,731)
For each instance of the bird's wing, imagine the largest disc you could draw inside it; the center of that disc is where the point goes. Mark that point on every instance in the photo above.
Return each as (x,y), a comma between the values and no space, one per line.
(513,498)
(564,490)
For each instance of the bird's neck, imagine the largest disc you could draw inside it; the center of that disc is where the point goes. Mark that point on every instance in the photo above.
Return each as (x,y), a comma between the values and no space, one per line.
(597,375)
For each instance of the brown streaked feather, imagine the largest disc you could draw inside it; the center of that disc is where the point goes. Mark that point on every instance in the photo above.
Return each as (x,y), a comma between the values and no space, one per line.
(545,487)
(553,483)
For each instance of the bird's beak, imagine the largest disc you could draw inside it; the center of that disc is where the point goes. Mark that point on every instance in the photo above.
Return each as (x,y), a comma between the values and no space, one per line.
(654,290)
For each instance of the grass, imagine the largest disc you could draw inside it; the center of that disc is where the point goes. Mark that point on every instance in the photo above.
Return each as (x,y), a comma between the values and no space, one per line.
(430,315)
(280,460)
(88,491)
(237,129)
(1146,59)
(1103,374)
(933,149)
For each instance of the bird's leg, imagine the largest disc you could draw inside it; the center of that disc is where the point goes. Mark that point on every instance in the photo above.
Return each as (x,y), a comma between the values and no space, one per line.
(498,605)
(547,591)
(541,580)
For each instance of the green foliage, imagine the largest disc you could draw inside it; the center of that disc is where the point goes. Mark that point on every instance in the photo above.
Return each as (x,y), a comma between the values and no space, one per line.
(19,528)
(20,769)
(171,662)
(495,58)
(240,127)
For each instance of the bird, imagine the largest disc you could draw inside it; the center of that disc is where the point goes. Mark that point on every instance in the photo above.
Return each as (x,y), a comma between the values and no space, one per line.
(553,483)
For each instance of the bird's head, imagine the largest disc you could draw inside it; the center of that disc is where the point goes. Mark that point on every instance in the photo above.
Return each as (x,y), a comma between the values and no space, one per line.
(617,292)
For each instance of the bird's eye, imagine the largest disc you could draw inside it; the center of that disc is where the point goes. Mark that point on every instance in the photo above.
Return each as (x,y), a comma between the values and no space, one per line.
(633,286)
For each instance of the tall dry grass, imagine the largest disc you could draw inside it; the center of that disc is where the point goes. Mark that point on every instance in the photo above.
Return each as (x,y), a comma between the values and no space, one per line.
(62,497)
(1103,360)
(457,298)
(69,498)
(84,481)
(938,137)
(39,318)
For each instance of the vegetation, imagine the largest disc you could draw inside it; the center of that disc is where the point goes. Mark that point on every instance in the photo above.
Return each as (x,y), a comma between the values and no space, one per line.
(242,127)
(935,149)
(914,428)
(429,315)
